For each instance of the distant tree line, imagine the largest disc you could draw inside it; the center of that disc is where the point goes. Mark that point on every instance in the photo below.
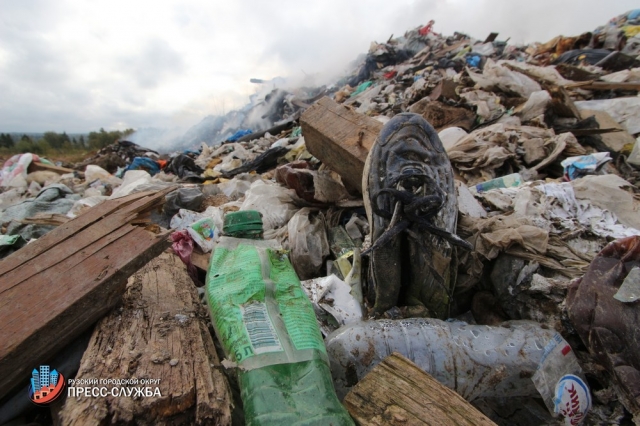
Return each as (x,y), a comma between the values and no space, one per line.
(52,142)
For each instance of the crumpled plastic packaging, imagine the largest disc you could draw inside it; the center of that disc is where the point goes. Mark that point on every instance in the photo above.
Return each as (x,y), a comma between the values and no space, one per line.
(238,186)
(625,111)
(495,75)
(93,172)
(335,297)
(273,201)
(81,205)
(308,242)
(609,327)
(183,246)
(535,105)
(203,232)
(131,180)
(183,198)
(575,167)
(14,170)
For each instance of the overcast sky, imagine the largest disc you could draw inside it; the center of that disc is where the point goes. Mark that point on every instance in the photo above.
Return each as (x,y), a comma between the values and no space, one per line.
(76,65)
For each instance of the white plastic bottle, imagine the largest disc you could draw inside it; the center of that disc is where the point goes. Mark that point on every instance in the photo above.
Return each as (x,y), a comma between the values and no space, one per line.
(519,359)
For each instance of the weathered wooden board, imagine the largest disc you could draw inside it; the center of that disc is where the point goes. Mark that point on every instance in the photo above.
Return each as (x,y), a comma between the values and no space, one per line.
(36,166)
(159,333)
(69,229)
(57,287)
(604,85)
(340,138)
(398,392)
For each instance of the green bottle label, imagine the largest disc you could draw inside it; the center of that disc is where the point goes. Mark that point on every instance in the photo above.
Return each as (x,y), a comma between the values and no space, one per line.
(258,308)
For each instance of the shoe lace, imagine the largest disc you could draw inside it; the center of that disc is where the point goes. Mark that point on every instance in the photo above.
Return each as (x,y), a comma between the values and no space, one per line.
(412,206)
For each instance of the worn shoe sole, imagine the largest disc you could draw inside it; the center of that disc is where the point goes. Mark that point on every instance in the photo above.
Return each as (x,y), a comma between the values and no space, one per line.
(414,267)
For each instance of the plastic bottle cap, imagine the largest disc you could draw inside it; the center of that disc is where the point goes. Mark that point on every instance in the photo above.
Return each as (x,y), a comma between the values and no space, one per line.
(243,224)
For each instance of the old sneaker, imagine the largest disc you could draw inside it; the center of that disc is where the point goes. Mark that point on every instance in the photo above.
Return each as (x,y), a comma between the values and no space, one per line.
(411,204)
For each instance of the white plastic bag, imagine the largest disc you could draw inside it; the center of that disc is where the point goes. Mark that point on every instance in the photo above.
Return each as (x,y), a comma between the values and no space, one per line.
(93,172)
(132,180)
(494,75)
(81,205)
(273,201)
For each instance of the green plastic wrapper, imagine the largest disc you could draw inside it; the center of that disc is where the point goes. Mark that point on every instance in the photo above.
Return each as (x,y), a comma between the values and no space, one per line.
(267,326)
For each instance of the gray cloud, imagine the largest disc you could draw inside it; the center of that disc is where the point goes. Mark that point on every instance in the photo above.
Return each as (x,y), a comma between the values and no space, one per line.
(64,66)
(156,61)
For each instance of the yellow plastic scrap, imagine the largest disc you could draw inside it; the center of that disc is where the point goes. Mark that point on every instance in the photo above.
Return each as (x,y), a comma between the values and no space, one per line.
(210,173)
(344,263)
(631,30)
(214,162)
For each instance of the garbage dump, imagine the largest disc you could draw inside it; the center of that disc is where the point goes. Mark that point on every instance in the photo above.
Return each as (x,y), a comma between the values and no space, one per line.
(464,212)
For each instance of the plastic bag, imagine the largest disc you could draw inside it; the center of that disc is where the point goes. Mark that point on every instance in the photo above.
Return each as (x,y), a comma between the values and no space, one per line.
(345,308)
(535,105)
(238,186)
(634,157)
(495,75)
(84,204)
(308,242)
(93,172)
(182,245)
(484,49)
(273,201)
(450,136)
(625,111)
(183,198)
(132,179)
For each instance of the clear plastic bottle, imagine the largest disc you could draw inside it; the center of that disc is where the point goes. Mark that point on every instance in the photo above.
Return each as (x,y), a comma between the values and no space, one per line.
(520,359)
(508,181)
(268,328)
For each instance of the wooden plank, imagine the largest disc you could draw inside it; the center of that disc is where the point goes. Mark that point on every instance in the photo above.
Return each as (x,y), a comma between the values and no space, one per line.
(70,228)
(36,166)
(161,334)
(604,85)
(54,219)
(201,260)
(79,241)
(340,138)
(63,251)
(398,392)
(42,315)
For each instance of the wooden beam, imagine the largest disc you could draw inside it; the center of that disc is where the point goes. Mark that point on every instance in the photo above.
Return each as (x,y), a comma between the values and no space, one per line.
(57,287)
(160,333)
(603,85)
(36,166)
(340,138)
(398,392)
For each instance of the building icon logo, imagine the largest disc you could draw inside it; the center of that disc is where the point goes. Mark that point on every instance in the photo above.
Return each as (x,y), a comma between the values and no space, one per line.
(46,385)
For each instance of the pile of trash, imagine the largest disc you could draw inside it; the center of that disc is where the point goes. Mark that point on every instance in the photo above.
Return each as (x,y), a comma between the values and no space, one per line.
(543,142)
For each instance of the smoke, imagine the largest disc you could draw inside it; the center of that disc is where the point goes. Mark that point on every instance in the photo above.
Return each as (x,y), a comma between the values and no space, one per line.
(289,49)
